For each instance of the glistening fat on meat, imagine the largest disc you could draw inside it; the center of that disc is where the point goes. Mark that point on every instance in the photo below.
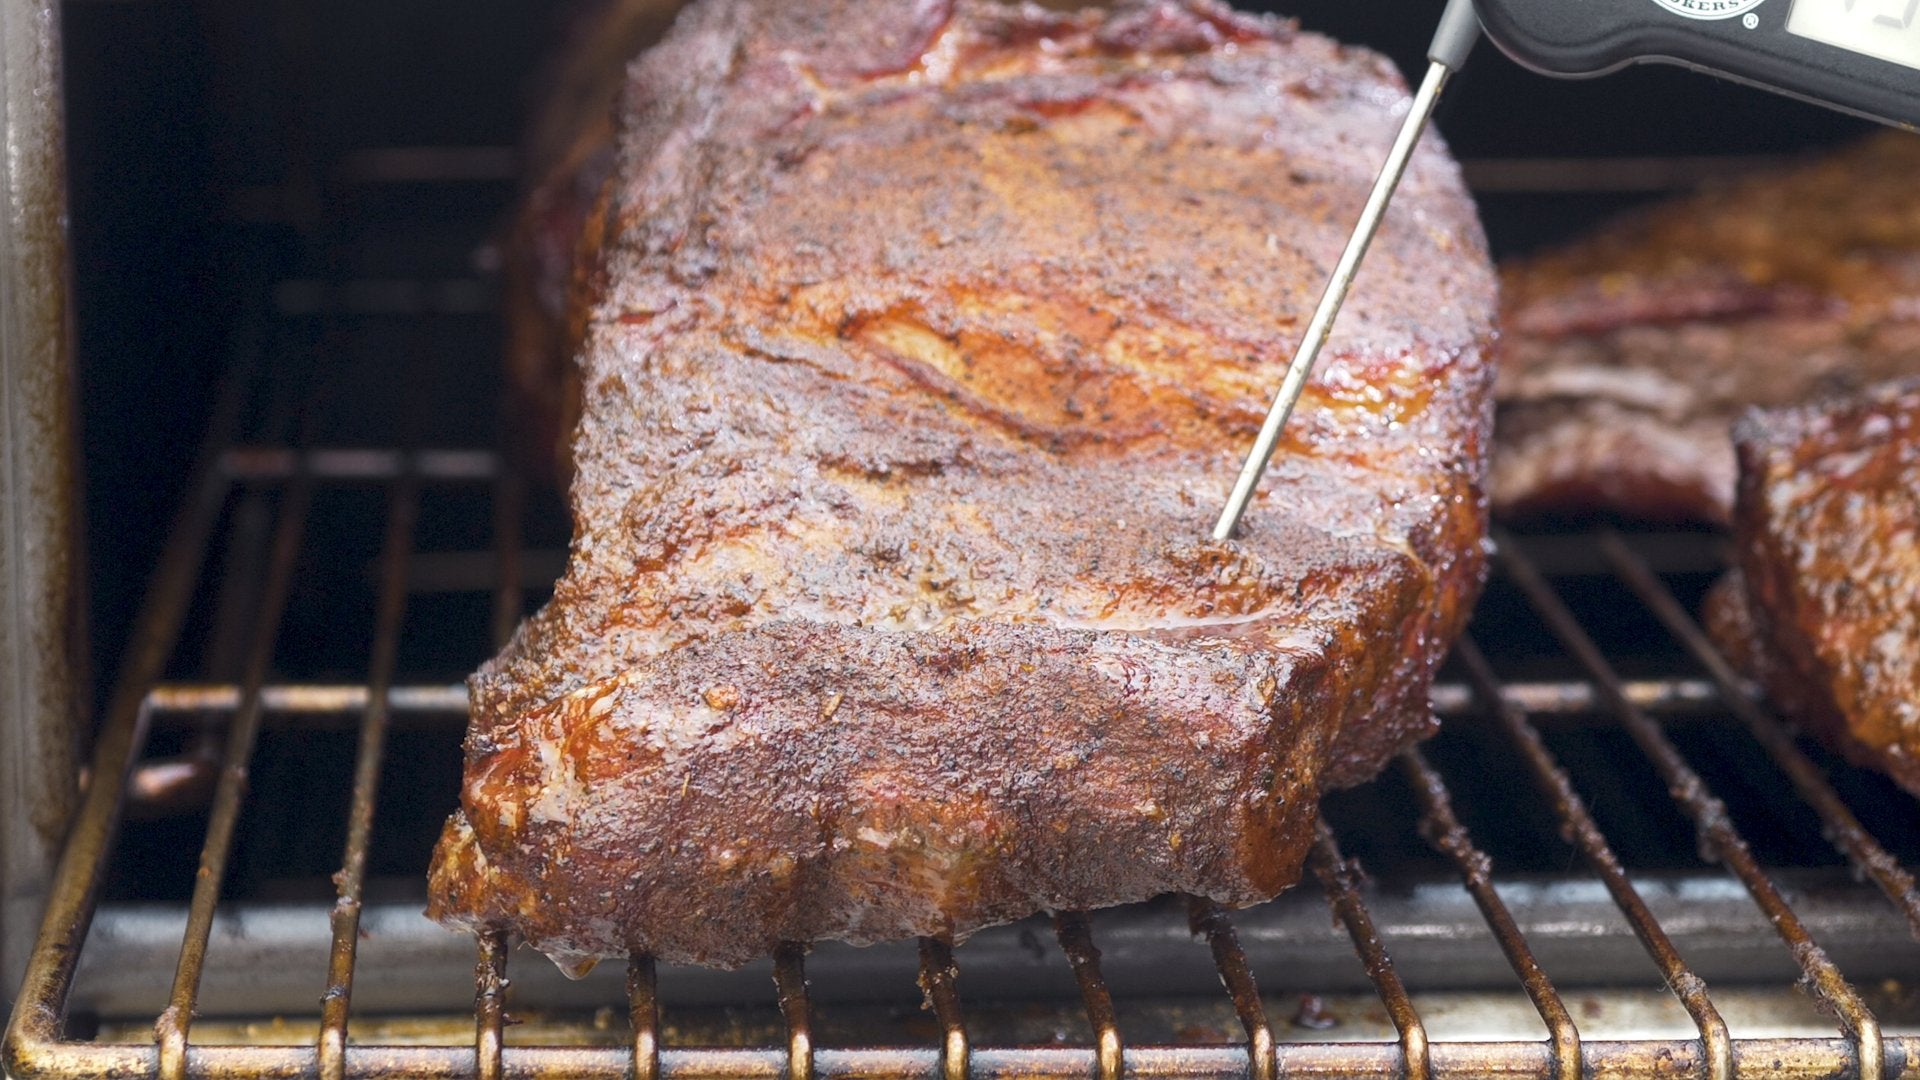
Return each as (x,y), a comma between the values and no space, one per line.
(1824,608)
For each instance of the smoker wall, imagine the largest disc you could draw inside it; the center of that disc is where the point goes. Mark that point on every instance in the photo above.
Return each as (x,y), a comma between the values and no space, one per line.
(39,644)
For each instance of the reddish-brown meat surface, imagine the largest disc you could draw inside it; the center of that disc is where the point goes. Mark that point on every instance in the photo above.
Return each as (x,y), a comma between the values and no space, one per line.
(1626,357)
(569,155)
(925,340)
(1825,607)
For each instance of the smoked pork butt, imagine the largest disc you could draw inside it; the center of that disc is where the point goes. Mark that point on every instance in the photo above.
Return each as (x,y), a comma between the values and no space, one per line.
(1626,357)
(1824,608)
(923,342)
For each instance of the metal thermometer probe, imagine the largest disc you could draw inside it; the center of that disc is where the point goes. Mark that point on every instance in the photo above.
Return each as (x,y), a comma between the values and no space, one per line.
(1459,30)
(1857,56)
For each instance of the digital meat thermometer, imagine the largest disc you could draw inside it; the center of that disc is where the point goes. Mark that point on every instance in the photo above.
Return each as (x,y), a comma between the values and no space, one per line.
(1857,56)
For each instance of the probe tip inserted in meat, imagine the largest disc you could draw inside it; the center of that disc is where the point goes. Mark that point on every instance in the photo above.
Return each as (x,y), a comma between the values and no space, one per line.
(1459,30)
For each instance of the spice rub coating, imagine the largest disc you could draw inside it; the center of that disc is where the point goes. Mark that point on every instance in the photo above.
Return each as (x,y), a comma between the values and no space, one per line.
(921,340)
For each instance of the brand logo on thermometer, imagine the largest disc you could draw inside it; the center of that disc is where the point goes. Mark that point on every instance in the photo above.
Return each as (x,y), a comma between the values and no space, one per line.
(1710,9)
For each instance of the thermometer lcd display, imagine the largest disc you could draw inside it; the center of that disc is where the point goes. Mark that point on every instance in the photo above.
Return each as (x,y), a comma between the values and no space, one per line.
(1888,29)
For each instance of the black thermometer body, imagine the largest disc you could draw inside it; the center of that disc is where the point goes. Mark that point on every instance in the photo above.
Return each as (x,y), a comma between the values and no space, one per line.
(1858,56)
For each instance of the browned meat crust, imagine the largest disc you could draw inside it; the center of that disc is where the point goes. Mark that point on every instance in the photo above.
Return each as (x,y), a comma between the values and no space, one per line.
(569,156)
(925,342)
(1825,608)
(1626,357)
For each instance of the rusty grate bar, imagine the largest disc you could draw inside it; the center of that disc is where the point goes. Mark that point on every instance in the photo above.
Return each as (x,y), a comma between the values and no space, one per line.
(179,704)
(490,967)
(643,1014)
(1840,826)
(1774,1058)
(1442,828)
(156,629)
(318,705)
(333,1057)
(939,981)
(1716,1042)
(490,1006)
(268,464)
(790,982)
(1208,919)
(1525,175)
(1709,815)
(1341,879)
(173,1026)
(1075,932)
(336,1004)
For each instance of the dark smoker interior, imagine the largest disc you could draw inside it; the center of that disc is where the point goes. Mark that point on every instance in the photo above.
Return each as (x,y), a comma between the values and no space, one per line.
(215,146)
(315,188)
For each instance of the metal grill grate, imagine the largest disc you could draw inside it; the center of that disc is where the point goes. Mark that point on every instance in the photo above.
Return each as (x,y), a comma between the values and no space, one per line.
(203,696)
(41,1046)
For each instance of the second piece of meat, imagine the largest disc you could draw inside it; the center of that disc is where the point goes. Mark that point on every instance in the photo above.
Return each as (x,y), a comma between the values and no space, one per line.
(1628,355)
(1824,610)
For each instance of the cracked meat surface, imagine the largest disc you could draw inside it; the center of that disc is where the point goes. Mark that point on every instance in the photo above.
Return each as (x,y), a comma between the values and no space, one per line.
(920,343)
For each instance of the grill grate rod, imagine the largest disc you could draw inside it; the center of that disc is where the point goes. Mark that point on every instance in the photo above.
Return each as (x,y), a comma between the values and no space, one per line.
(1776,1058)
(939,978)
(403,513)
(172,1028)
(1341,880)
(643,1060)
(211,704)
(790,982)
(265,465)
(1075,931)
(490,1005)
(1709,815)
(490,964)
(1716,1042)
(1443,830)
(1841,827)
(643,1014)
(1207,918)
(83,861)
